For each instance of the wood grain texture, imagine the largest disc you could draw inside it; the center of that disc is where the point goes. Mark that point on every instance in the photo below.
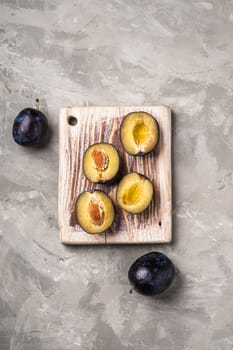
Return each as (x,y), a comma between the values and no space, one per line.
(96,124)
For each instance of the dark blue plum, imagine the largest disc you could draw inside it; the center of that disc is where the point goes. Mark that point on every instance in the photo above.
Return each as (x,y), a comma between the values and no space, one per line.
(30,127)
(152,273)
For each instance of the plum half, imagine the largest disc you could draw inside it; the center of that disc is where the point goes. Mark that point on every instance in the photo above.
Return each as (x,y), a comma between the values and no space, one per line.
(95,211)
(101,163)
(152,273)
(134,193)
(139,133)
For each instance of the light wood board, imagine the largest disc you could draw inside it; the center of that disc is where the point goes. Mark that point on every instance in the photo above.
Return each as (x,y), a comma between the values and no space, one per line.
(96,124)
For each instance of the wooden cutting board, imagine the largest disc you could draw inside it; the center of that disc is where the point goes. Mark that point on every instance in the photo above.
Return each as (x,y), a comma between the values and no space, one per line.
(96,124)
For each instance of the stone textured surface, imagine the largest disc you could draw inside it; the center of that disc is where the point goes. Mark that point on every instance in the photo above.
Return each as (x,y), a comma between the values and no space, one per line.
(109,53)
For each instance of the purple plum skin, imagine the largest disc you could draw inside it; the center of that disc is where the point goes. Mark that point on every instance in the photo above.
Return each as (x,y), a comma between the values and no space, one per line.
(152,273)
(30,127)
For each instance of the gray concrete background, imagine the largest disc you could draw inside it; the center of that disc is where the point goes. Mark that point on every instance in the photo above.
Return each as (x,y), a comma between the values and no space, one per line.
(114,52)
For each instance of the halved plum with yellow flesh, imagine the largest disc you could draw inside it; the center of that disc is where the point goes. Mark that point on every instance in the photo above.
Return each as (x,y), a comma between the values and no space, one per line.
(139,133)
(134,193)
(95,211)
(101,162)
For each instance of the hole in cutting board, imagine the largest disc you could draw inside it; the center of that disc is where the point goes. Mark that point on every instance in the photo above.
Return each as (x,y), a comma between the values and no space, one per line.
(72,120)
